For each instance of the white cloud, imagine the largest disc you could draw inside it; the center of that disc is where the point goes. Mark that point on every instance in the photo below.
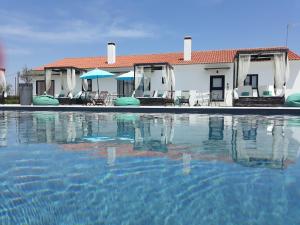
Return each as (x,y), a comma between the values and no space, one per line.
(70,30)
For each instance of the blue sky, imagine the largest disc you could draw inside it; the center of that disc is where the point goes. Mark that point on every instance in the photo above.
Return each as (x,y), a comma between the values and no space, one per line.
(36,32)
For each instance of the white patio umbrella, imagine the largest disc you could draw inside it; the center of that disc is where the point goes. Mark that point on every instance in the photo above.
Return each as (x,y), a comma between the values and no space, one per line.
(96,74)
(126,76)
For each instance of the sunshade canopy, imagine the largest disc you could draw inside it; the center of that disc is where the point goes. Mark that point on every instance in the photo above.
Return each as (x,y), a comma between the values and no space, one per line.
(96,73)
(126,76)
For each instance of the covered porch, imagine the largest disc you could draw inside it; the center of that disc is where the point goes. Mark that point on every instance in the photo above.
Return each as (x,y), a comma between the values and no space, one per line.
(154,83)
(260,77)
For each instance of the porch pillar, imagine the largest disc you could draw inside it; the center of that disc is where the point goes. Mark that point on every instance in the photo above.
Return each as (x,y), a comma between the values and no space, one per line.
(243,68)
(48,73)
(71,81)
(138,81)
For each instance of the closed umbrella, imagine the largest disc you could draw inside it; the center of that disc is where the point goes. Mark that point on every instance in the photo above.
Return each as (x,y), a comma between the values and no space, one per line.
(96,74)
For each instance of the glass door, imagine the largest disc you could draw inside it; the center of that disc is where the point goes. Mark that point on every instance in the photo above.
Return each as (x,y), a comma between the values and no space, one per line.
(217,87)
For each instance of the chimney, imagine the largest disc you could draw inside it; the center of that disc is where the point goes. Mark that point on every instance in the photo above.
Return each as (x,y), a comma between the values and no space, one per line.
(111,53)
(187,52)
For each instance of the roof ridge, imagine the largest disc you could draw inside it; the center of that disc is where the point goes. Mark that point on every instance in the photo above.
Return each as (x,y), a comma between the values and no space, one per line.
(168,53)
(199,56)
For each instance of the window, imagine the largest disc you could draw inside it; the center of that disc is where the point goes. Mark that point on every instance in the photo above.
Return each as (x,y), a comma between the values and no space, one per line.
(217,88)
(125,88)
(251,80)
(41,87)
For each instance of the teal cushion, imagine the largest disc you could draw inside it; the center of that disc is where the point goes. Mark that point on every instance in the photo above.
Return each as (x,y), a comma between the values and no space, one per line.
(246,93)
(266,93)
(293,100)
(147,96)
(160,95)
(125,101)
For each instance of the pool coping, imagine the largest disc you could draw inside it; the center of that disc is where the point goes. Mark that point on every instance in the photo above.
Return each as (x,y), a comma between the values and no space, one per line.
(159,109)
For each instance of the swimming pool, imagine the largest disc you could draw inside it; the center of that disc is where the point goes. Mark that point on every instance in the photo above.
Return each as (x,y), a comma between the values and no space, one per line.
(97,168)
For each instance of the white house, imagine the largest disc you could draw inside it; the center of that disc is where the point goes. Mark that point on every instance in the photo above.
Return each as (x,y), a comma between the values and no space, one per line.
(223,75)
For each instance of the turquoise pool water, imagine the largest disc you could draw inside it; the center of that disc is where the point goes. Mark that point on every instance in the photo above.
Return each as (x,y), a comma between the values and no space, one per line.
(93,168)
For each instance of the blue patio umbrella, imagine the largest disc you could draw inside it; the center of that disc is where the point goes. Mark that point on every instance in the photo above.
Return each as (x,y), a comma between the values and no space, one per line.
(96,74)
(126,76)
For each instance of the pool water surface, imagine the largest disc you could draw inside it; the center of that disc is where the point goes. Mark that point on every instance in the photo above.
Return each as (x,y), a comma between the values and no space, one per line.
(98,168)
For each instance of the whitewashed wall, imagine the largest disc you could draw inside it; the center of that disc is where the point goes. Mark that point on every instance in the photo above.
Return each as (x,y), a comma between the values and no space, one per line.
(265,71)
(195,77)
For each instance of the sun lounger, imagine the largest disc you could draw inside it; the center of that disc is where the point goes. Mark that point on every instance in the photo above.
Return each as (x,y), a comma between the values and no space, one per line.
(101,98)
(245,91)
(266,91)
(64,99)
(157,98)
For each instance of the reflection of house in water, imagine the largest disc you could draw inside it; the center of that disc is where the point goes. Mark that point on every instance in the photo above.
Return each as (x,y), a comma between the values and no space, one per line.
(247,140)
(216,128)
(262,143)
(63,127)
(153,133)
(126,126)
(218,138)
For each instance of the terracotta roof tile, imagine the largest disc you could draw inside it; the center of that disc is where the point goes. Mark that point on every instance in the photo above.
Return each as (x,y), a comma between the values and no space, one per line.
(198,57)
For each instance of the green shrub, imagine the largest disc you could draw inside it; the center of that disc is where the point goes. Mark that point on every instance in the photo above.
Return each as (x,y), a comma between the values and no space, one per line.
(12,100)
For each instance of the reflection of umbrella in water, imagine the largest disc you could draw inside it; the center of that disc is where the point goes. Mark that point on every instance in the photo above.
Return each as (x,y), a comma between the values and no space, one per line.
(127,117)
(96,74)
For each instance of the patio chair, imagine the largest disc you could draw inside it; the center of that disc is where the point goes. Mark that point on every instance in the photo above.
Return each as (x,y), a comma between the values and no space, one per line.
(184,98)
(160,94)
(99,99)
(204,99)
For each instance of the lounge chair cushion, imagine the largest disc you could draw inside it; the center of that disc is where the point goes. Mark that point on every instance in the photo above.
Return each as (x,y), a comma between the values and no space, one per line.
(267,93)
(266,90)
(124,101)
(245,93)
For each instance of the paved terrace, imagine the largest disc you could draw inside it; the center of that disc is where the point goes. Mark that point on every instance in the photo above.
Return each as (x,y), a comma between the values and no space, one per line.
(159,109)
